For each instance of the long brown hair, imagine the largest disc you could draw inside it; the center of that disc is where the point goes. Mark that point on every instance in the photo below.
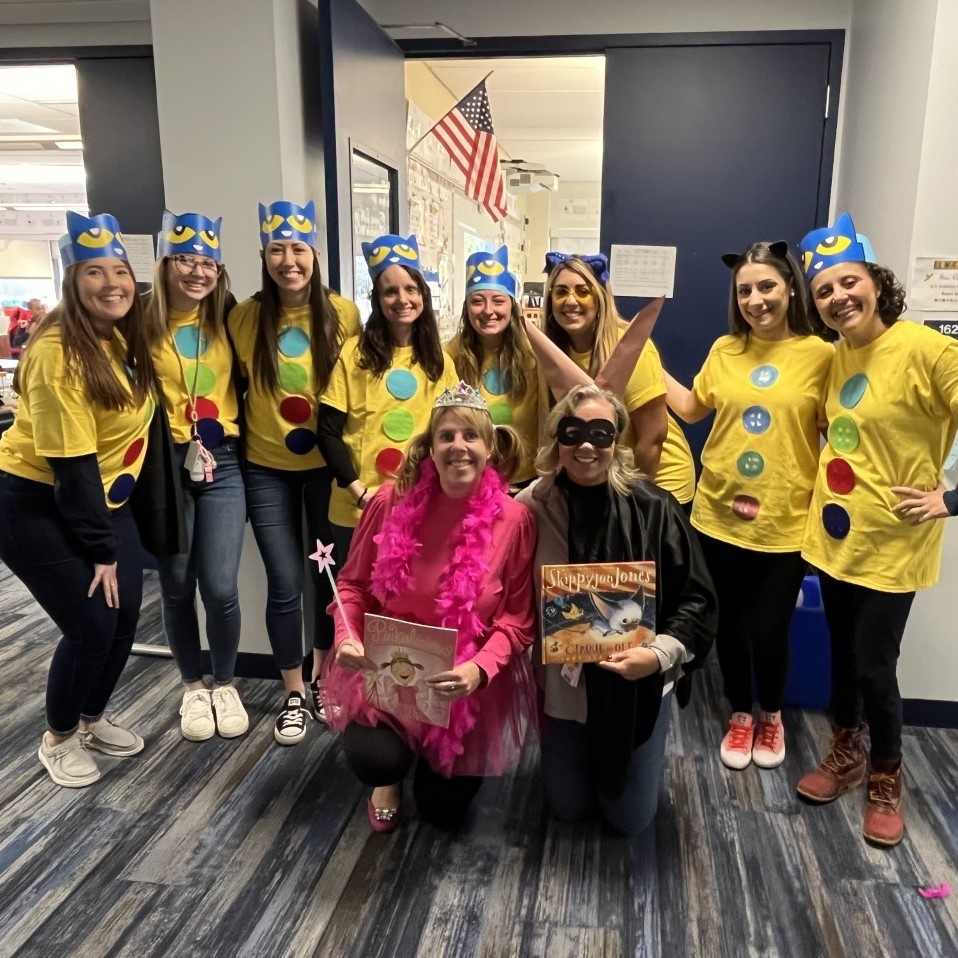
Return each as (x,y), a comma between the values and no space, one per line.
(84,360)
(515,353)
(156,308)
(325,331)
(376,344)
(608,322)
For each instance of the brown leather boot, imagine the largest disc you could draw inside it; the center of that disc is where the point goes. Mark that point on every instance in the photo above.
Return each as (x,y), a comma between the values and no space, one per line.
(884,823)
(841,770)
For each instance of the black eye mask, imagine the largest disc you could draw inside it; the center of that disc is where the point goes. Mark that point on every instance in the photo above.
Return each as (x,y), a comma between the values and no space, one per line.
(573,431)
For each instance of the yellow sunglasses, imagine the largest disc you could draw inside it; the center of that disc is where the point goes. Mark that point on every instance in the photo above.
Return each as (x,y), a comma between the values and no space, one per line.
(580,292)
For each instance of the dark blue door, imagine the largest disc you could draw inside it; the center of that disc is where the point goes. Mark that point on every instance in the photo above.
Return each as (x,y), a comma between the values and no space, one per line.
(709,148)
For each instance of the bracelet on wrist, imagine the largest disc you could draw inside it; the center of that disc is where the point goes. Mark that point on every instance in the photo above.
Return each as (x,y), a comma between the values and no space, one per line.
(359,500)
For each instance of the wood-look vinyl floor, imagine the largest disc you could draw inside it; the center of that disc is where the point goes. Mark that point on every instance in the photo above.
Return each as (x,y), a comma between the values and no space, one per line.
(245,848)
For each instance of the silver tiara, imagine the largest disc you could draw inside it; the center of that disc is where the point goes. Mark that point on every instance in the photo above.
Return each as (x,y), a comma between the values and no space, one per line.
(461,395)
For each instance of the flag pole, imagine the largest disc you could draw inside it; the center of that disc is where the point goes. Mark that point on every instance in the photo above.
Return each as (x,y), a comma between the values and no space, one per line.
(473,90)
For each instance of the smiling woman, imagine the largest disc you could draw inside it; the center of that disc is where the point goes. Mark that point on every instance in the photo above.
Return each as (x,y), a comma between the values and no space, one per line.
(68,467)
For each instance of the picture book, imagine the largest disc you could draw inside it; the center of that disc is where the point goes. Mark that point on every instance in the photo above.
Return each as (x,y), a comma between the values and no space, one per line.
(594,609)
(405,655)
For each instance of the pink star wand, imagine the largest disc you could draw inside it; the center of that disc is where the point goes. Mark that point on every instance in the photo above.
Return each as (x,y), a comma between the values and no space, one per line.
(323,557)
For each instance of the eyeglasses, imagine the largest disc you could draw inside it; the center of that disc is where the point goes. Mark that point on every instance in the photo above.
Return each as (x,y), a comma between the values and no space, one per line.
(187,265)
(581,292)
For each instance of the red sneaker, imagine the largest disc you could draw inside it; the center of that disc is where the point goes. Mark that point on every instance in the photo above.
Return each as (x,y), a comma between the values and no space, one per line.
(768,750)
(736,750)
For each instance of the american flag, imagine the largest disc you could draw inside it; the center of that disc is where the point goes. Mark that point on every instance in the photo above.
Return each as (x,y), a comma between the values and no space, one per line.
(466,134)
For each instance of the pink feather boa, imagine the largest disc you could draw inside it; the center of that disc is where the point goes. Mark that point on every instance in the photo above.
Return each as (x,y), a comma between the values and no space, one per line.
(459,586)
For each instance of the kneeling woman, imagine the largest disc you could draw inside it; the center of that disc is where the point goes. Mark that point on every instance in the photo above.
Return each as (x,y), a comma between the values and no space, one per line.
(443,546)
(604,737)
(69,464)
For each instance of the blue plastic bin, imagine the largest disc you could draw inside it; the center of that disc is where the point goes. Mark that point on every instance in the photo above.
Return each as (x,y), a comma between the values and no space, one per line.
(810,677)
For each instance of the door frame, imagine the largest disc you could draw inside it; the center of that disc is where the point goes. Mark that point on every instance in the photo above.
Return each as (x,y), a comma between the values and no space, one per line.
(599,44)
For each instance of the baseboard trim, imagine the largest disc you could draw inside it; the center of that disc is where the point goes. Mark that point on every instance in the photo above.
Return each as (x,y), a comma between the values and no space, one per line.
(935,713)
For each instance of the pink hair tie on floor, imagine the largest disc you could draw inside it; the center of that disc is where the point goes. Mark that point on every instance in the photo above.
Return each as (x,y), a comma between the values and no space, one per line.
(942,891)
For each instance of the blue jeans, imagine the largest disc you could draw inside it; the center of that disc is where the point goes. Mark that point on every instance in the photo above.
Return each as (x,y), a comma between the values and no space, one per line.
(569,774)
(215,525)
(278,500)
(45,555)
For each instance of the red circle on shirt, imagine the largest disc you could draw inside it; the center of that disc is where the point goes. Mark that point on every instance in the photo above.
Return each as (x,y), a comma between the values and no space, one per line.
(133,453)
(389,462)
(295,409)
(205,409)
(840,477)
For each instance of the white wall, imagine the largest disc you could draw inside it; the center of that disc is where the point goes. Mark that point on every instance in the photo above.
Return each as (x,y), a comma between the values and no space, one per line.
(90,23)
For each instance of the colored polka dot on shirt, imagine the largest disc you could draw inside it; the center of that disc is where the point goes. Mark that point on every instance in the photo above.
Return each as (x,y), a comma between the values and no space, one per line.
(190,342)
(840,477)
(750,464)
(121,488)
(763,376)
(836,520)
(398,424)
(389,462)
(201,379)
(501,413)
(756,419)
(852,391)
(205,409)
(300,441)
(843,434)
(293,378)
(133,453)
(496,382)
(293,342)
(296,409)
(745,507)
(401,384)
(211,432)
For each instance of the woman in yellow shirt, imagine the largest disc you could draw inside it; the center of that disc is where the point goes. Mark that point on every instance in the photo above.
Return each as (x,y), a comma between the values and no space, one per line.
(765,381)
(892,407)
(186,323)
(68,466)
(492,353)
(581,318)
(287,339)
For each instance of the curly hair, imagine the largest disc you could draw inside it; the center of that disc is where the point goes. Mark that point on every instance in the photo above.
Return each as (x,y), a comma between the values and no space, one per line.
(623,473)
(889,293)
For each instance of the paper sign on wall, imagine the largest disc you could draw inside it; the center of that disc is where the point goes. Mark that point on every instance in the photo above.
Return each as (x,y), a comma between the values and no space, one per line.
(642,270)
(934,283)
(141,255)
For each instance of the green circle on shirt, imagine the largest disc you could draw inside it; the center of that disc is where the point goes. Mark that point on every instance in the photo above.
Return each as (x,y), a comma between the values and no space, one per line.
(501,413)
(201,380)
(750,464)
(843,434)
(397,424)
(293,377)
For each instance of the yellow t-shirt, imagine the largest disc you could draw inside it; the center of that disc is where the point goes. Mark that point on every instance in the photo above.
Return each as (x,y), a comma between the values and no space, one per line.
(676,471)
(382,415)
(761,456)
(57,418)
(281,426)
(892,408)
(524,416)
(188,360)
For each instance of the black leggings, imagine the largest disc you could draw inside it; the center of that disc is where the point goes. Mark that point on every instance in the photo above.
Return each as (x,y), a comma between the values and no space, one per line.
(866,627)
(378,756)
(46,556)
(757,592)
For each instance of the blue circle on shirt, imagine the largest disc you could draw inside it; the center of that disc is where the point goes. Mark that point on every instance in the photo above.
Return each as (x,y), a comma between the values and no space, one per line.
(852,390)
(190,342)
(121,489)
(211,432)
(401,384)
(293,342)
(300,441)
(763,376)
(836,520)
(496,382)
(756,419)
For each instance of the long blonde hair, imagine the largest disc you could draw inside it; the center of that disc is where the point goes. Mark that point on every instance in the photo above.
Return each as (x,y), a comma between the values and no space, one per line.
(608,322)
(503,443)
(623,473)
(515,354)
(156,307)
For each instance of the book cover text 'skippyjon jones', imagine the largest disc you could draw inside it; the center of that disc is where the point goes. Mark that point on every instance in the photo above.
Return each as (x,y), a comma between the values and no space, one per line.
(405,655)
(594,609)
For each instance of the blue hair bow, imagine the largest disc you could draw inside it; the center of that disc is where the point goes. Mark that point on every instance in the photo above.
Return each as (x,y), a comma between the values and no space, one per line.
(597,262)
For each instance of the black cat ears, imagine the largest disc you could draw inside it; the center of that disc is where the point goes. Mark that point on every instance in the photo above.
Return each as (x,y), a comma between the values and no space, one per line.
(779,248)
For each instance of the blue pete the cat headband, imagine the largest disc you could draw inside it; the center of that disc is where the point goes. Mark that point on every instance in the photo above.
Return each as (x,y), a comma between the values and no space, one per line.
(490,271)
(190,233)
(597,262)
(91,237)
(285,222)
(391,250)
(834,244)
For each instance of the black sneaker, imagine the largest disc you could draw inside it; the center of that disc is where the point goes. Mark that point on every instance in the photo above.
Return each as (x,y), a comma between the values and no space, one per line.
(319,710)
(290,725)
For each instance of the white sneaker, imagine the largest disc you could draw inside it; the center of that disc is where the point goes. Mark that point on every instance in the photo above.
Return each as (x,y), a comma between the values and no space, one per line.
(736,750)
(231,717)
(197,723)
(68,763)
